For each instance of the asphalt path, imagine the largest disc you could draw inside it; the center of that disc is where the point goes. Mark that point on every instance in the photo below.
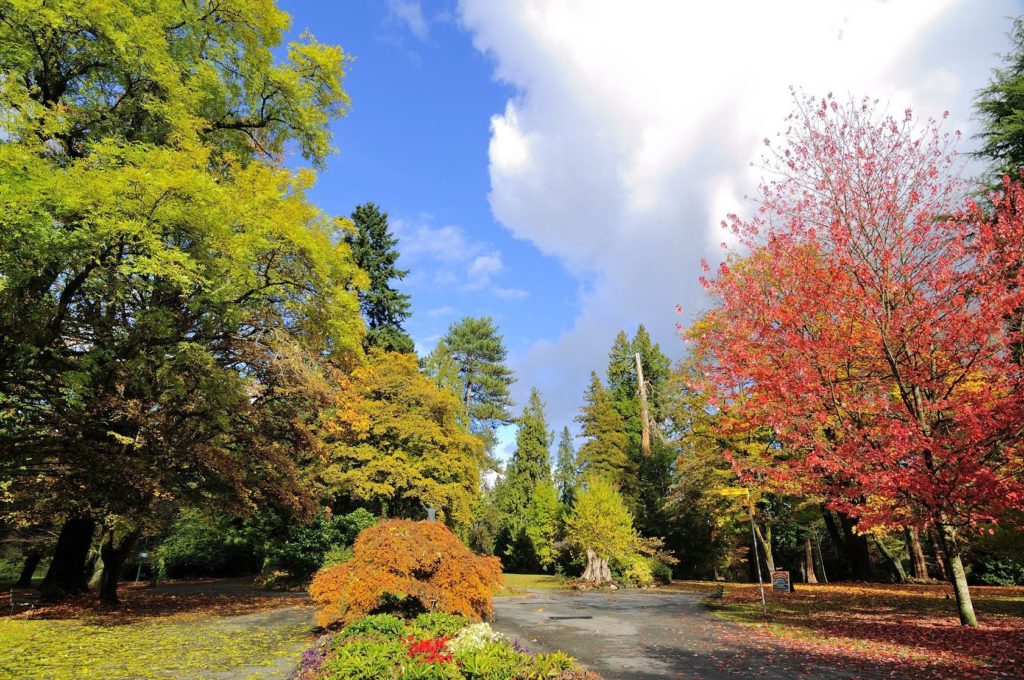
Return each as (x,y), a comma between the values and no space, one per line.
(661,634)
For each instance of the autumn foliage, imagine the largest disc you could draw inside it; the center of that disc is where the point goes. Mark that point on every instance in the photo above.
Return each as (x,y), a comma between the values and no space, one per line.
(403,559)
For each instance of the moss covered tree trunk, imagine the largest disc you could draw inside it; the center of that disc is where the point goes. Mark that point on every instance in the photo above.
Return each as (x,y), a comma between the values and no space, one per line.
(957,576)
(893,559)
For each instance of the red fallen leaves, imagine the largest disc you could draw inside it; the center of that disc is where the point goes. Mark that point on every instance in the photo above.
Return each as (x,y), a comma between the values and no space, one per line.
(910,626)
(196,599)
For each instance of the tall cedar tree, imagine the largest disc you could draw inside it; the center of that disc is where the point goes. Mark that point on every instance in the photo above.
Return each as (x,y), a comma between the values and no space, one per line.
(647,488)
(475,349)
(384,308)
(567,471)
(866,327)
(605,451)
(1000,108)
(159,265)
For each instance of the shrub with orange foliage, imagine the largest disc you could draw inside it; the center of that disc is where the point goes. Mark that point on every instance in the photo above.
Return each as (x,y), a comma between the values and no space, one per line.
(406,560)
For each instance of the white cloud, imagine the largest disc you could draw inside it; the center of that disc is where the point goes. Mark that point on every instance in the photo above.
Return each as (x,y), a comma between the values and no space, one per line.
(482,270)
(633,126)
(410,14)
(441,311)
(451,259)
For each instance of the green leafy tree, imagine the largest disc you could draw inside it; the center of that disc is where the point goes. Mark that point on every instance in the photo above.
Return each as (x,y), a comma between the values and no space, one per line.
(160,270)
(529,467)
(567,470)
(384,308)
(600,526)
(543,516)
(605,450)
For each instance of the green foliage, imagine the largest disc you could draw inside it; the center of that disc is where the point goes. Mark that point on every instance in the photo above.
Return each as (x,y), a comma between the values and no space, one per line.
(438,624)
(368,659)
(1000,107)
(478,353)
(305,548)
(567,468)
(543,516)
(384,308)
(600,521)
(200,544)
(338,554)
(170,296)
(380,648)
(993,570)
(387,626)
(605,451)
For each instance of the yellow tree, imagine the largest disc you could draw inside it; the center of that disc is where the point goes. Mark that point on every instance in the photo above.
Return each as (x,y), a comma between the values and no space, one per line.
(400,445)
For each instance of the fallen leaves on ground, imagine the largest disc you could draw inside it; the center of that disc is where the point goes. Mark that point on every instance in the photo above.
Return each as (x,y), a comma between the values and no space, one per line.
(185,630)
(912,626)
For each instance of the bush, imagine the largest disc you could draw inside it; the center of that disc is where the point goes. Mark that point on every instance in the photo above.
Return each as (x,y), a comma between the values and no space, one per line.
(306,548)
(637,571)
(661,571)
(993,570)
(337,555)
(440,624)
(383,646)
(386,626)
(399,563)
(201,545)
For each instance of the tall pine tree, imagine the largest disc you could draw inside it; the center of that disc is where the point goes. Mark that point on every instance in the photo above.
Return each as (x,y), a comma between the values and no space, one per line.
(647,487)
(605,452)
(529,468)
(477,351)
(384,308)
(566,468)
(1000,108)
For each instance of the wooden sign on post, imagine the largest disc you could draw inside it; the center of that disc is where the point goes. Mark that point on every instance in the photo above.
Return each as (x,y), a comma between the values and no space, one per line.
(781,581)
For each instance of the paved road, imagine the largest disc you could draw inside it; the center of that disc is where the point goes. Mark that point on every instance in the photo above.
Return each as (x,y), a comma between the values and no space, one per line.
(651,634)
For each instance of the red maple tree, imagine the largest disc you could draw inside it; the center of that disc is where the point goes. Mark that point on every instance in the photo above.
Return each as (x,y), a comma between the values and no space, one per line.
(867,317)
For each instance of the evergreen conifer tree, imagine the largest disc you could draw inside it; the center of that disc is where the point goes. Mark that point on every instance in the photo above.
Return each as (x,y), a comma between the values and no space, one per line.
(384,308)
(605,453)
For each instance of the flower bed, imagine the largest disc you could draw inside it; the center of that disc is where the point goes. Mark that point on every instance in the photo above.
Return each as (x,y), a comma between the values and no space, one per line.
(434,646)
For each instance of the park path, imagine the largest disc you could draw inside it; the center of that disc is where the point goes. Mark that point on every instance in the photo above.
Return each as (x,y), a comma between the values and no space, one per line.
(647,635)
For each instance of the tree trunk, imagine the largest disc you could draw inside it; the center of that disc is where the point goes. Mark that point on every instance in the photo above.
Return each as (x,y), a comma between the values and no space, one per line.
(765,541)
(66,575)
(597,570)
(32,559)
(957,576)
(940,560)
(113,554)
(856,549)
(893,560)
(918,565)
(810,577)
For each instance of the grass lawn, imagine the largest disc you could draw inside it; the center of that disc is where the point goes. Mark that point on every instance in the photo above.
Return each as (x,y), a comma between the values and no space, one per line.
(163,635)
(916,624)
(516,583)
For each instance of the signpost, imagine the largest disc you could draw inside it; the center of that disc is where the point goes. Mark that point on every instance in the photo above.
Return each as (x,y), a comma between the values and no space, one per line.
(743,491)
(780,581)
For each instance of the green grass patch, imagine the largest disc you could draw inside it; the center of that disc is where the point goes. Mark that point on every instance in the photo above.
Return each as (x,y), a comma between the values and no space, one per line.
(169,648)
(515,583)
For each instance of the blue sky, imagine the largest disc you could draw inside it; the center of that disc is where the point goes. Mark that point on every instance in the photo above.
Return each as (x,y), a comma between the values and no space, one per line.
(564,165)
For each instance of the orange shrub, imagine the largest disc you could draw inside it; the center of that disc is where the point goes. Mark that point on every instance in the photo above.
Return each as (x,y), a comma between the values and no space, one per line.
(403,559)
